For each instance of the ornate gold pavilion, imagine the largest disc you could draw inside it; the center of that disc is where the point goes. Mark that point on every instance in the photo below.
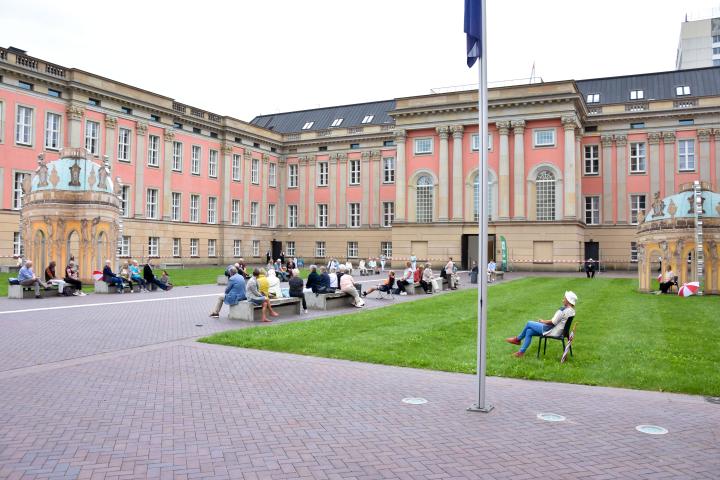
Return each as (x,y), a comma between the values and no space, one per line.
(669,233)
(71,208)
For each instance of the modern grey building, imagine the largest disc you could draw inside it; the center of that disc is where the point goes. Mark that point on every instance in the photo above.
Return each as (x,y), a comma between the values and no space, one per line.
(699,44)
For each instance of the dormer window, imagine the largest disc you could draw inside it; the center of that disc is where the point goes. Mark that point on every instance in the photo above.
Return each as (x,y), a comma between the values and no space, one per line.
(637,94)
(593,98)
(682,90)
(368,118)
(336,122)
(308,125)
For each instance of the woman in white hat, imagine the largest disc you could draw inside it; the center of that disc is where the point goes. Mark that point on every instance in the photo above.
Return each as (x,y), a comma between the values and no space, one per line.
(553,327)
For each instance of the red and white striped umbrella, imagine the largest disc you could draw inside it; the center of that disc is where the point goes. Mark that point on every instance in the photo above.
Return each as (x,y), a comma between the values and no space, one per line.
(690,288)
(97,275)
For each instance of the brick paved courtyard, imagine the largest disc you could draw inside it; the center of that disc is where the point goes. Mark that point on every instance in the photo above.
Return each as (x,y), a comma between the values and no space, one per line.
(118,388)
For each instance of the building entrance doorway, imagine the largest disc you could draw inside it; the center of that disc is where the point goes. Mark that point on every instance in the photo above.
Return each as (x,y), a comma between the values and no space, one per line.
(275,249)
(469,250)
(592,250)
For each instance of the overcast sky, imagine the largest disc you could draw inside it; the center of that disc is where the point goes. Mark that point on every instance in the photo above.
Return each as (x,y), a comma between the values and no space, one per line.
(245,58)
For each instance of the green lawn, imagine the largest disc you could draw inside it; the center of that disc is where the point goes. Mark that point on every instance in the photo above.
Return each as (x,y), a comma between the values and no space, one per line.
(624,338)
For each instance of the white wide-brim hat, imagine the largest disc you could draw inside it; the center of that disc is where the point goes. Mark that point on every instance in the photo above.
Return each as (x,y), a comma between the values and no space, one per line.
(571,297)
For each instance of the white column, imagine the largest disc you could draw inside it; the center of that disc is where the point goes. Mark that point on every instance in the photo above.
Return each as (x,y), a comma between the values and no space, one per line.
(169,137)
(569,125)
(75,115)
(366,186)
(444,180)
(607,175)
(400,178)
(457,173)
(504,171)
(669,142)
(621,178)
(703,136)
(519,170)
(140,133)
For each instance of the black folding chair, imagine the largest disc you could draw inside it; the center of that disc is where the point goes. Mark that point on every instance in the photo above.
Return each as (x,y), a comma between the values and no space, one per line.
(565,334)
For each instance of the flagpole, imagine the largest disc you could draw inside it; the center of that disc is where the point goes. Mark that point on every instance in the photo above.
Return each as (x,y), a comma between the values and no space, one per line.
(482,405)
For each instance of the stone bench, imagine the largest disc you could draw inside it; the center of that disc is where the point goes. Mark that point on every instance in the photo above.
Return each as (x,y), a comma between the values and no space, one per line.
(499,275)
(326,301)
(249,312)
(222,280)
(164,266)
(20,291)
(416,288)
(102,287)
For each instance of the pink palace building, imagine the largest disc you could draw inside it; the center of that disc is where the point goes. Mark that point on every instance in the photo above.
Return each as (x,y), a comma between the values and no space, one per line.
(572,165)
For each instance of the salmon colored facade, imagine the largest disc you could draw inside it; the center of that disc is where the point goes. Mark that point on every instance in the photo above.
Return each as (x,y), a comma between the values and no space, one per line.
(567,176)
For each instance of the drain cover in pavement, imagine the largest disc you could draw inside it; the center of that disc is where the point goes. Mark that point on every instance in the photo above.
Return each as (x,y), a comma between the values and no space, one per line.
(651,429)
(414,400)
(550,417)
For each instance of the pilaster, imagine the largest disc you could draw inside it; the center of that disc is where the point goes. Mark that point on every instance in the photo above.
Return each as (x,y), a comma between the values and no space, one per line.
(621,178)
(504,171)
(669,143)
(110,137)
(607,176)
(247,183)
(519,170)
(312,182)
(569,124)
(166,209)
(366,187)
(281,207)
(457,173)
(75,113)
(400,176)
(304,179)
(444,180)
(333,179)
(225,167)
(140,133)
(377,174)
(654,161)
(263,221)
(703,136)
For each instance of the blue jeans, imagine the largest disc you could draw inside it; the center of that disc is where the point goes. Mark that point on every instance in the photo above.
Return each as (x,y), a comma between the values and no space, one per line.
(532,329)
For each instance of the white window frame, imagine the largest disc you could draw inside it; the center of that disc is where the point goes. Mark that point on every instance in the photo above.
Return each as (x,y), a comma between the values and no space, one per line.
(194,247)
(212,210)
(388,170)
(177,156)
(592,160)
(337,122)
(237,248)
(18,180)
(638,157)
(151,203)
(212,247)
(388,214)
(53,130)
(592,98)
(322,215)
(290,248)
(475,142)
(92,137)
(367,119)
(272,209)
(153,247)
(320,249)
(420,144)
(592,210)
(123,249)
(545,212)
(254,214)
(236,167)
(538,141)
(255,171)
(177,247)
(24,125)
(195,204)
(213,164)
(635,206)
(354,172)
(292,221)
(18,247)
(124,144)
(686,158)
(353,249)
(682,90)
(386,249)
(293,175)
(633,252)
(308,125)
(125,200)
(354,215)
(272,174)
(195,159)
(176,209)
(637,94)
(323,174)
(153,151)
(256,248)
(235,212)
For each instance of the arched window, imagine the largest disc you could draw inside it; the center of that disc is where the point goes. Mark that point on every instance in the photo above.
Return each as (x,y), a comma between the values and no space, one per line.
(476,198)
(424,199)
(545,195)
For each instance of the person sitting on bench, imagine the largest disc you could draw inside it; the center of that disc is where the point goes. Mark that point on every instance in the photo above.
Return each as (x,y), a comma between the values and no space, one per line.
(71,277)
(254,296)
(296,288)
(323,282)
(150,277)
(234,292)
(406,279)
(669,280)
(427,279)
(111,279)
(136,277)
(386,286)
(313,279)
(51,278)
(552,328)
(347,285)
(27,278)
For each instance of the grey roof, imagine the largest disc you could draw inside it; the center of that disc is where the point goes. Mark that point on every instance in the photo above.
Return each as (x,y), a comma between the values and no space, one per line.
(352,116)
(656,86)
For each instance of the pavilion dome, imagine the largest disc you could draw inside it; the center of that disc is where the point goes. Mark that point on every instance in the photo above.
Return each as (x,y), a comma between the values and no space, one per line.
(73,172)
(680,205)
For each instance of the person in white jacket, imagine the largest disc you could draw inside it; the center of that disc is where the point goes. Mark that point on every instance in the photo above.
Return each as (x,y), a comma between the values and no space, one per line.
(274,284)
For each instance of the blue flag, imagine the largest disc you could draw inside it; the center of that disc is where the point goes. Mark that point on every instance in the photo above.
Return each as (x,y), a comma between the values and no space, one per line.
(473,29)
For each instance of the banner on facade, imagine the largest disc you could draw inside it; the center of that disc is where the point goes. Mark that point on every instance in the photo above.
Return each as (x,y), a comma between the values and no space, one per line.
(503,253)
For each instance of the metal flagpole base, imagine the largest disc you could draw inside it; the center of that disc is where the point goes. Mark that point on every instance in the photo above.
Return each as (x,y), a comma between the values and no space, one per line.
(476,408)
